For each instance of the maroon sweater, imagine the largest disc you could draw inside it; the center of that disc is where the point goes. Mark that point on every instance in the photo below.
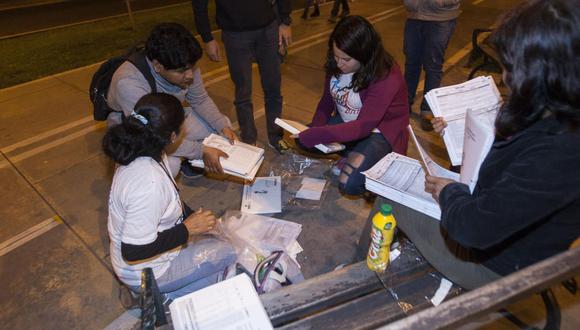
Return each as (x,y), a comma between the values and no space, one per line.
(385,107)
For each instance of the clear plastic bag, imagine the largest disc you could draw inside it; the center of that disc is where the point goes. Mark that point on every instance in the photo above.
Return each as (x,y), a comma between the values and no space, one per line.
(297,171)
(256,237)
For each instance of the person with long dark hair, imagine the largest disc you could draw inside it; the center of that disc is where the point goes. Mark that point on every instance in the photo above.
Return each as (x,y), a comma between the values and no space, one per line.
(364,104)
(148,225)
(526,204)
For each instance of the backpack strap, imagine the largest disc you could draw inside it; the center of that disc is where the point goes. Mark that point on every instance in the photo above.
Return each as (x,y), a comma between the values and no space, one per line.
(139,60)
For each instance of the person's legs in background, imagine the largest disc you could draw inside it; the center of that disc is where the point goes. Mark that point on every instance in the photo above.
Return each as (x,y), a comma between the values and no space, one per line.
(413,49)
(240,53)
(436,38)
(266,51)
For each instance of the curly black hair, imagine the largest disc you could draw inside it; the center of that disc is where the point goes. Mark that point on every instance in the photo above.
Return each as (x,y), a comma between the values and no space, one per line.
(356,36)
(162,115)
(173,46)
(539,48)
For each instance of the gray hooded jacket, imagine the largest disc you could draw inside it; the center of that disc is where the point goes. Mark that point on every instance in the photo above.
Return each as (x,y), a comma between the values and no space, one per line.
(432,10)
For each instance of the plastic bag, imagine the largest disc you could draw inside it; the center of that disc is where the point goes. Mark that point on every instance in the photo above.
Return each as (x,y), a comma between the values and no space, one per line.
(294,169)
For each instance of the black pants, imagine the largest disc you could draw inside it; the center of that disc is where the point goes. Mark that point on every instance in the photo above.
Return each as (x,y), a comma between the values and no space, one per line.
(241,49)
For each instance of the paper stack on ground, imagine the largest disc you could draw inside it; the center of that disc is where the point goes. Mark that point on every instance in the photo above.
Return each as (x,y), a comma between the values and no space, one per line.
(294,127)
(243,160)
(231,304)
(402,179)
(451,102)
(263,195)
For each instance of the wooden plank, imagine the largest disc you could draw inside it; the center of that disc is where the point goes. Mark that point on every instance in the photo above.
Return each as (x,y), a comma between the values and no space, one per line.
(377,308)
(495,295)
(331,289)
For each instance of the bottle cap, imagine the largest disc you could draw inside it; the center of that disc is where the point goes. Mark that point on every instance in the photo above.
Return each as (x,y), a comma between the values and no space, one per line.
(386,209)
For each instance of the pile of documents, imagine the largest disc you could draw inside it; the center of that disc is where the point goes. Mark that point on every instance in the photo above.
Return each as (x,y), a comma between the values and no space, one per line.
(231,304)
(451,102)
(243,160)
(402,179)
(294,127)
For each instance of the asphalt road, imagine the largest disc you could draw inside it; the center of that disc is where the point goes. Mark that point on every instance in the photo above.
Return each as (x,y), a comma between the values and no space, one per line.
(22,20)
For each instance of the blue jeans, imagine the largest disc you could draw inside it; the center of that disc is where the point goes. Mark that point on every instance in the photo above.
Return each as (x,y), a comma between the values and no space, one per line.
(372,148)
(424,46)
(198,265)
(242,47)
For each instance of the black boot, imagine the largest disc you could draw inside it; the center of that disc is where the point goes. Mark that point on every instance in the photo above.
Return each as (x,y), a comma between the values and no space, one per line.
(304,14)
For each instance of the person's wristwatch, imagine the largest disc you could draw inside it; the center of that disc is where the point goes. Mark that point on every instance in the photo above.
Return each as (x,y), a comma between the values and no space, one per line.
(286,20)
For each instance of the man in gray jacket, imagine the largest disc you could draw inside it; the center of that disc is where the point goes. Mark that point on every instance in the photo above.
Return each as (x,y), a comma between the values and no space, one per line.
(172,53)
(428,29)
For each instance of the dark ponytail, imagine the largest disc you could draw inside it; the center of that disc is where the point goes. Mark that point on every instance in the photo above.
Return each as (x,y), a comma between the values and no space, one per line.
(147,132)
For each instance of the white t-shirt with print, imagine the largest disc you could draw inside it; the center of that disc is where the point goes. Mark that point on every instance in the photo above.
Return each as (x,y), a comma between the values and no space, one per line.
(143,201)
(347,101)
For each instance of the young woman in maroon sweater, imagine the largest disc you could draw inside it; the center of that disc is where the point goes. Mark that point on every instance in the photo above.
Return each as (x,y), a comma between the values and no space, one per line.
(364,104)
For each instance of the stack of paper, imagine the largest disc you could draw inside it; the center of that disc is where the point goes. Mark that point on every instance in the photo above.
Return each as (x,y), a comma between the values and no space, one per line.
(243,160)
(402,179)
(231,304)
(294,127)
(451,102)
(264,195)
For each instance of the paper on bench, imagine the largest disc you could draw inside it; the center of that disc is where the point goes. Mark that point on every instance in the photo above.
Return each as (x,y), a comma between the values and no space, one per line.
(294,127)
(231,304)
(451,102)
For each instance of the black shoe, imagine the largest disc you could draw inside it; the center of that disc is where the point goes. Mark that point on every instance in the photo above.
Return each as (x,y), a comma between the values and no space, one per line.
(304,15)
(190,172)
(281,146)
(332,19)
(344,13)
(316,12)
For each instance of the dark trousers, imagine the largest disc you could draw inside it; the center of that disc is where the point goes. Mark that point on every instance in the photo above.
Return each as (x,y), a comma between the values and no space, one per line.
(424,46)
(335,6)
(454,261)
(241,49)
(372,148)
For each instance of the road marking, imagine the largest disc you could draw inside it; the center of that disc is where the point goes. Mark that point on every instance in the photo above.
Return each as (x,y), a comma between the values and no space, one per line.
(57,142)
(477,2)
(29,234)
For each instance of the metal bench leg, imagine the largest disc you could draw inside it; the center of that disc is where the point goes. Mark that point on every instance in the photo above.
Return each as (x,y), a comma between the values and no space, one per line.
(553,314)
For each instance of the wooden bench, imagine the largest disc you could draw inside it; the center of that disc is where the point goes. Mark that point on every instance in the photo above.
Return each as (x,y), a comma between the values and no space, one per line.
(481,48)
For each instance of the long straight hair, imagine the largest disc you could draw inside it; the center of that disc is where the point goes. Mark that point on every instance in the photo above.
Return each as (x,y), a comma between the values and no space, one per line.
(539,47)
(356,36)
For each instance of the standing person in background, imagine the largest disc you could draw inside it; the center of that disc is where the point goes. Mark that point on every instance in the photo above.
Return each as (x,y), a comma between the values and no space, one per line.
(364,104)
(307,4)
(336,7)
(428,29)
(250,31)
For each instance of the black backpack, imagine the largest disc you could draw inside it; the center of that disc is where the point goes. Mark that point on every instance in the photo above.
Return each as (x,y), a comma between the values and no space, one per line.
(102,80)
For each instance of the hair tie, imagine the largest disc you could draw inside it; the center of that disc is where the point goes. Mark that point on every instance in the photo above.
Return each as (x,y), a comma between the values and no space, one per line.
(141,118)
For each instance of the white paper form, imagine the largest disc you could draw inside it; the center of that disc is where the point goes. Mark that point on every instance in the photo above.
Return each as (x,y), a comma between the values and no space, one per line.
(264,195)
(242,157)
(402,180)
(311,189)
(267,233)
(294,127)
(231,304)
(477,143)
(479,94)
